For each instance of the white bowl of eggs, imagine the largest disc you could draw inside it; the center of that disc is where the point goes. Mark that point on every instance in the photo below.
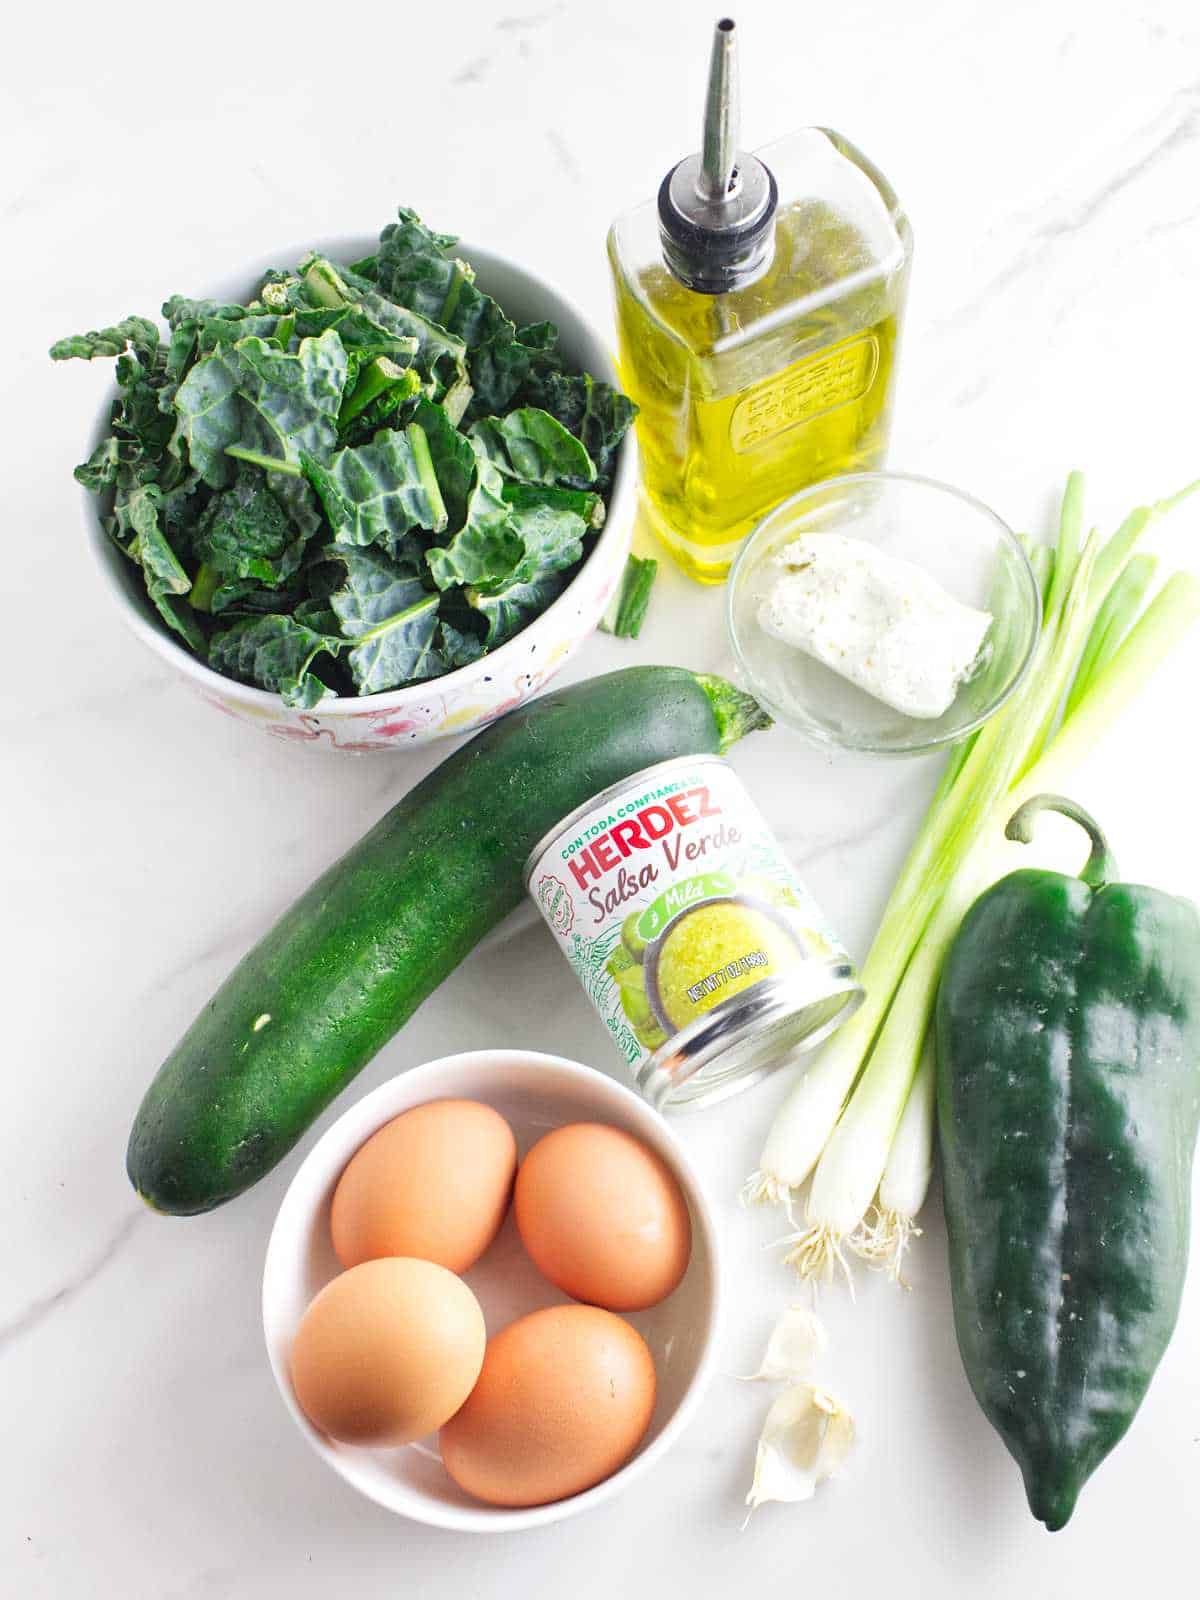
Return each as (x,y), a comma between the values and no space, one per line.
(491,1294)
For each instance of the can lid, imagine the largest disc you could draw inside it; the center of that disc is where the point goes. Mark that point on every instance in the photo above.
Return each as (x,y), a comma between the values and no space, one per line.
(737,1043)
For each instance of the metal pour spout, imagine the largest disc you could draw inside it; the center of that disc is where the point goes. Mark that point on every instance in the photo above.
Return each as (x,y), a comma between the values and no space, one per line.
(715,208)
(722,117)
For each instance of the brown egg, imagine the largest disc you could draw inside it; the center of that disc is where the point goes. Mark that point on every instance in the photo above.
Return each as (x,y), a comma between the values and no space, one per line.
(387,1352)
(603,1217)
(563,1400)
(434,1182)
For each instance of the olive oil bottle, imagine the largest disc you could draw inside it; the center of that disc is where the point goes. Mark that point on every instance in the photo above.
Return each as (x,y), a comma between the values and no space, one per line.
(758,305)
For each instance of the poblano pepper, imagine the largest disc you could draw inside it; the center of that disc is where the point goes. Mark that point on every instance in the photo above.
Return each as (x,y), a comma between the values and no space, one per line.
(1068,1038)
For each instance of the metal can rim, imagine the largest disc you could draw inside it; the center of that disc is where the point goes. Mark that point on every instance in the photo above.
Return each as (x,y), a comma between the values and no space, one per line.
(757,1011)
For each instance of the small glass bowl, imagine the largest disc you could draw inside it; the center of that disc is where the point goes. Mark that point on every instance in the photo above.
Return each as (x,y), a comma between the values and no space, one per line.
(956,539)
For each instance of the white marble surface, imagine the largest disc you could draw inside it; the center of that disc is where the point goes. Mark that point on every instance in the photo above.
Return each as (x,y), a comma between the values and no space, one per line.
(1048,152)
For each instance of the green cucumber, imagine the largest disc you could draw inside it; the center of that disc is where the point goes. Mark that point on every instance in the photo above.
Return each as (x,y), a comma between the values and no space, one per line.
(358,952)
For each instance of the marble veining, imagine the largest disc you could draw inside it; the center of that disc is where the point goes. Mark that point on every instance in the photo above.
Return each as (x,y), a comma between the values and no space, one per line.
(1049,159)
(1182,121)
(28,1317)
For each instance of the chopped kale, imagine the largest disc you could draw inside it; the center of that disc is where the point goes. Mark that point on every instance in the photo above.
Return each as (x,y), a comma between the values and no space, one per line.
(364,477)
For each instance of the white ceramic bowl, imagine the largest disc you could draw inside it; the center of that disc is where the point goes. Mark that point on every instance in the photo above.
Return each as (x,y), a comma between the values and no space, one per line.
(473,695)
(535,1093)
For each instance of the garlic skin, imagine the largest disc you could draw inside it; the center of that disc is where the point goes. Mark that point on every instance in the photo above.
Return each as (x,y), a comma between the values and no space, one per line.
(797,1342)
(805,1439)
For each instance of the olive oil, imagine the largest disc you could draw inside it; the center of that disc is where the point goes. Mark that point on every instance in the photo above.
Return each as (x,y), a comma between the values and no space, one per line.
(757,330)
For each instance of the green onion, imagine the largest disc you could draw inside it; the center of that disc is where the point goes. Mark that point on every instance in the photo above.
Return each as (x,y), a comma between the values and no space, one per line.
(627,612)
(1066,549)
(841,1121)
(808,1117)
(891,1224)
(1121,606)
(1041,559)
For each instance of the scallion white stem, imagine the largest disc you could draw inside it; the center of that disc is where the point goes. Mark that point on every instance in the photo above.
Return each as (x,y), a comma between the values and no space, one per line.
(883,1237)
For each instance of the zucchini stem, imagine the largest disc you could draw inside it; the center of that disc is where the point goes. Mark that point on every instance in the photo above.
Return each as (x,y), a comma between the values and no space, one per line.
(736,713)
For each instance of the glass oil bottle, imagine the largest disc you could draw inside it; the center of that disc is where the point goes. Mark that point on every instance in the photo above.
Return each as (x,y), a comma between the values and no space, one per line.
(758,306)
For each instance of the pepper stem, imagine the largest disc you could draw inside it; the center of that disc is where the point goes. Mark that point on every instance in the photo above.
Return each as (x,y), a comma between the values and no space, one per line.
(1100,867)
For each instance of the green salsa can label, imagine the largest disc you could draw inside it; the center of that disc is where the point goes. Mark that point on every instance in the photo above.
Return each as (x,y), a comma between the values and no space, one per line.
(706,957)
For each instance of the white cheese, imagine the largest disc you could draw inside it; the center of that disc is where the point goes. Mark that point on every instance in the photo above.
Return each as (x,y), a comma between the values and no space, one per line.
(881,622)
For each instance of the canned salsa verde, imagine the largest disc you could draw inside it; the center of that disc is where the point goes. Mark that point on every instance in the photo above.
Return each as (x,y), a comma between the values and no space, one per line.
(704,954)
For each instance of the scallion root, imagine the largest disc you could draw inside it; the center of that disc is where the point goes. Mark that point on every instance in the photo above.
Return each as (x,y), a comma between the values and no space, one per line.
(889,1225)
(762,1189)
(816,1253)
(882,1240)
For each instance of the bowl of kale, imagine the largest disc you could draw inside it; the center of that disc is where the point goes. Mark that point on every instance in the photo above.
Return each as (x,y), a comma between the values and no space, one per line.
(367,500)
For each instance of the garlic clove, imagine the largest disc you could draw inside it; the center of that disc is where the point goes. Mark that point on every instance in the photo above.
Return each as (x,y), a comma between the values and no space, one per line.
(806,1437)
(797,1342)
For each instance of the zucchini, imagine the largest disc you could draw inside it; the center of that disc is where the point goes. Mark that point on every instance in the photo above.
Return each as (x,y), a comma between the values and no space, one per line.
(358,952)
